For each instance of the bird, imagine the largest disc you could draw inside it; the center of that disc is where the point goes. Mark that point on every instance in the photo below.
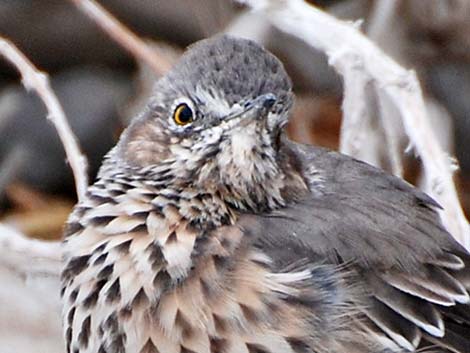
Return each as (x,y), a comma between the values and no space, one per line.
(208,231)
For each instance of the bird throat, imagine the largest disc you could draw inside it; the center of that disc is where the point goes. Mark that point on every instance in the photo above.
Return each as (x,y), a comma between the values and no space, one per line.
(245,172)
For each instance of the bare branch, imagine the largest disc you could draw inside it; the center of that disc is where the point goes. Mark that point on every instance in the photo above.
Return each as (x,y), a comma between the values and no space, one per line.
(380,24)
(392,134)
(355,113)
(29,257)
(354,56)
(34,79)
(382,15)
(29,273)
(123,36)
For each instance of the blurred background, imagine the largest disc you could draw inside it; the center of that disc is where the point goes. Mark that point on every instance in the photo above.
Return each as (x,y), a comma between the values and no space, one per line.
(101,87)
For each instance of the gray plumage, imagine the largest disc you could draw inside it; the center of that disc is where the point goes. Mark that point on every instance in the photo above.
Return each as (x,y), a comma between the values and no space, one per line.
(208,231)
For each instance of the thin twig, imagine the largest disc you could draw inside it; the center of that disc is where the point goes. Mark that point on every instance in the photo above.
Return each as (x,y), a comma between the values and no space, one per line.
(123,36)
(34,79)
(379,31)
(341,41)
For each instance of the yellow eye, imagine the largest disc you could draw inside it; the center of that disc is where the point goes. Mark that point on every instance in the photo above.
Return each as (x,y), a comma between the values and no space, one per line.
(183,114)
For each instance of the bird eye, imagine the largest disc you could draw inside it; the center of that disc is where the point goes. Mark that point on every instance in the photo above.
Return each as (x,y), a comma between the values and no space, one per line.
(183,114)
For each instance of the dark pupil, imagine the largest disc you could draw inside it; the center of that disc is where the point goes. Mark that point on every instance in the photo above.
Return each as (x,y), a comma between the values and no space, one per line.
(185,114)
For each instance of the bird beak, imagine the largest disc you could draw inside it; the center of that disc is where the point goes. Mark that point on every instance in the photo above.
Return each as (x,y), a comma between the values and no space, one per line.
(256,109)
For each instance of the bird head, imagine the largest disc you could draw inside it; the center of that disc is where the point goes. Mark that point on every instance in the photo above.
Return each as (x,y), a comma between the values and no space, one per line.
(215,118)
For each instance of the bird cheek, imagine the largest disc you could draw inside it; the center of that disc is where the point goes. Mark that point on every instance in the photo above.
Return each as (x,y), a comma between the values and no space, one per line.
(143,144)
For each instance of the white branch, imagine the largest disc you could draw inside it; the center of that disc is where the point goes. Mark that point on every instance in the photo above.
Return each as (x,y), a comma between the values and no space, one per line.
(349,51)
(34,79)
(381,23)
(29,294)
(392,134)
(29,257)
(355,113)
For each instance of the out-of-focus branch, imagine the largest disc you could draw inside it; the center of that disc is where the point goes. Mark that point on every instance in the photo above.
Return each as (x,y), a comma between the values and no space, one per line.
(356,116)
(29,294)
(38,81)
(357,59)
(381,23)
(392,132)
(29,257)
(382,15)
(123,36)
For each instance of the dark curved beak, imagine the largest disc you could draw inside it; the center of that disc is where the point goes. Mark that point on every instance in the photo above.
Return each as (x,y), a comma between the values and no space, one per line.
(255,109)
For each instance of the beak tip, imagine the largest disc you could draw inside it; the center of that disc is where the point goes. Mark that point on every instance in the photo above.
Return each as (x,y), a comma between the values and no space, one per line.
(269,100)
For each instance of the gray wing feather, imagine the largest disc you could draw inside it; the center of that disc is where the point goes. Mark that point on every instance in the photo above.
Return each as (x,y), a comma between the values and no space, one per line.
(389,231)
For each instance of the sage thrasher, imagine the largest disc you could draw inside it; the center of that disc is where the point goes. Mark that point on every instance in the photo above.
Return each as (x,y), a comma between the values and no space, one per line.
(207,230)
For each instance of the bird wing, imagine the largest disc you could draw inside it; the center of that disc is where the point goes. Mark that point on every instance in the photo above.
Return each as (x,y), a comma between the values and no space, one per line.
(415,276)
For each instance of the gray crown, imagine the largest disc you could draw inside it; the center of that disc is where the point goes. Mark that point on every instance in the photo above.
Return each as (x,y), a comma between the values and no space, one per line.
(234,69)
